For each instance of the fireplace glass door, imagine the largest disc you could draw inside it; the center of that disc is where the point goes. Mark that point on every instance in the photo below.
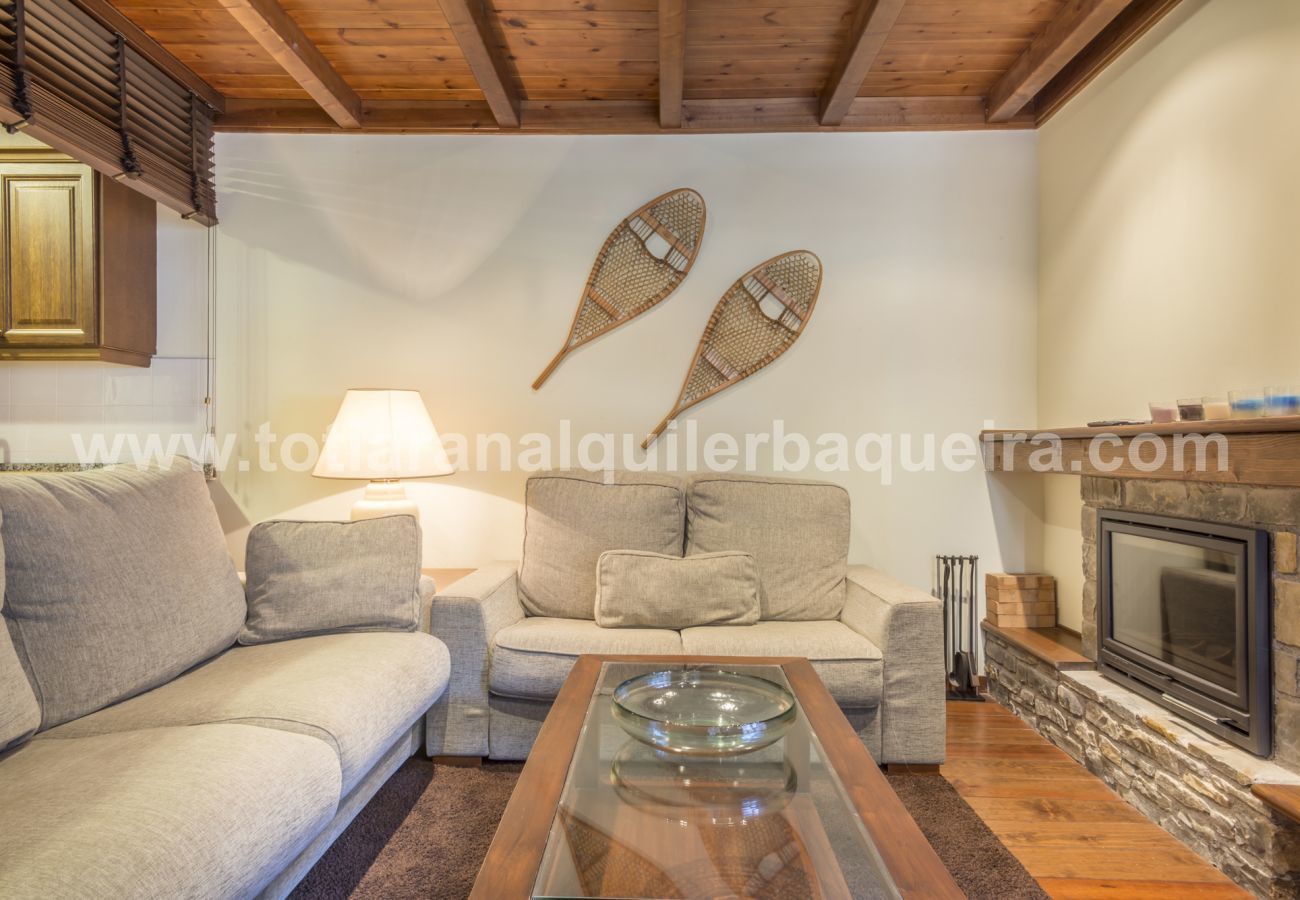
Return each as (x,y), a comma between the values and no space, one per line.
(1183,618)
(1177,604)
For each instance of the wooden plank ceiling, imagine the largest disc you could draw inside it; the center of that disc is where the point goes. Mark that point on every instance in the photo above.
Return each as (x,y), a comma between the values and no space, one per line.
(597,66)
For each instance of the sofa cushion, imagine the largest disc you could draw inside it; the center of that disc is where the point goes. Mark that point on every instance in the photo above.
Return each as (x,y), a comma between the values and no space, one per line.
(309,578)
(850,665)
(531,658)
(20,714)
(572,517)
(797,532)
(212,811)
(651,590)
(356,692)
(117,580)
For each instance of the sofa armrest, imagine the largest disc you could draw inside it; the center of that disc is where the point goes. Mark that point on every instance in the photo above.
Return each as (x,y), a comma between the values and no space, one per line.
(467,619)
(428,589)
(907,625)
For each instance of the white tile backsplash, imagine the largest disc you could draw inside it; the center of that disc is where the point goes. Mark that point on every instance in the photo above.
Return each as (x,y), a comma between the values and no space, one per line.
(182,418)
(44,404)
(7,447)
(177,382)
(130,387)
(33,383)
(79,386)
(131,418)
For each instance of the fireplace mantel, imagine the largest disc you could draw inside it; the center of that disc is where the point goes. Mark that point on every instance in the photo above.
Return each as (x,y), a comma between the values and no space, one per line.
(1264,452)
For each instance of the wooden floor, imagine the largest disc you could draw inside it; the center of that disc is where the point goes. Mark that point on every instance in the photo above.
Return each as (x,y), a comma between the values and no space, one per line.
(1077,837)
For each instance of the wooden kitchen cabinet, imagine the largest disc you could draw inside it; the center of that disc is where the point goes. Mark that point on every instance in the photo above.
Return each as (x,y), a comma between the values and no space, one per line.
(78,263)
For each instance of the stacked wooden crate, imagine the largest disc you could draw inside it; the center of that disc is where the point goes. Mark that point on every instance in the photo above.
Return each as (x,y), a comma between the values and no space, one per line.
(1017,600)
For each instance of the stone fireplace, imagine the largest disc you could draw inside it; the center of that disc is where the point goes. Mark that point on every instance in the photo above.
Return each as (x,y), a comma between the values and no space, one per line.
(1276,511)
(1191,781)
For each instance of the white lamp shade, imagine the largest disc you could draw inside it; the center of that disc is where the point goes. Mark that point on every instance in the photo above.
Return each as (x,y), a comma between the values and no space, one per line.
(382,434)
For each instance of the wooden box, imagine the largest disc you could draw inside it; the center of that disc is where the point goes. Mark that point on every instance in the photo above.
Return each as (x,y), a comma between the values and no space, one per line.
(1016,600)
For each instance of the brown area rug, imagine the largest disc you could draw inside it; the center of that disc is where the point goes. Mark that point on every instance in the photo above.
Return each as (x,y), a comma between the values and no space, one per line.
(981,866)
(427,830)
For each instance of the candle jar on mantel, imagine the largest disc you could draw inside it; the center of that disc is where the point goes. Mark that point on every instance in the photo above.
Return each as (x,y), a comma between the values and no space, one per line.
(1246,404)
(1191,410)
(1163,412)
(1216,408)
(1282,401)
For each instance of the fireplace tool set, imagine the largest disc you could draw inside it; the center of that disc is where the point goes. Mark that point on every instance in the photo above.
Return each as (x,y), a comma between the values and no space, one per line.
(956,583)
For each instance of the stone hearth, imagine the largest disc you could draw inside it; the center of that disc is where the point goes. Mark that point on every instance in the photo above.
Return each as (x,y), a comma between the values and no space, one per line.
(1197,787)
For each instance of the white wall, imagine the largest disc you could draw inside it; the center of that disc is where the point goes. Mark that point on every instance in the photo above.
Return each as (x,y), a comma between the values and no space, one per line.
(453,265)
(1170,208)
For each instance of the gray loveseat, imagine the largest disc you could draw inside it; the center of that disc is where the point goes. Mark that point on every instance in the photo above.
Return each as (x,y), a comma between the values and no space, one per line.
(514,632)
(143,753)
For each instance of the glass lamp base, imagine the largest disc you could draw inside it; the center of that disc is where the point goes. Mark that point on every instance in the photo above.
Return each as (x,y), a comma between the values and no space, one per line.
(384,498)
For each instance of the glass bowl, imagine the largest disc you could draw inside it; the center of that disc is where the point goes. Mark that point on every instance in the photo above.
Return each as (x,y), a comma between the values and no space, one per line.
(698,712)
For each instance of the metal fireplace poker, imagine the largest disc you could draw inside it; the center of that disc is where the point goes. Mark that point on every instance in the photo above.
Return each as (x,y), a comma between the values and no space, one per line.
(956,583)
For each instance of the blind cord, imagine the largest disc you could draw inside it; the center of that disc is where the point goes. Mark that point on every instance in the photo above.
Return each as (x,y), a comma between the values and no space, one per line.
(210,388)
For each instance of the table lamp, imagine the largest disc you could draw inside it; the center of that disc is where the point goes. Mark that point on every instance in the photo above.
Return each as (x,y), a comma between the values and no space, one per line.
(383,436)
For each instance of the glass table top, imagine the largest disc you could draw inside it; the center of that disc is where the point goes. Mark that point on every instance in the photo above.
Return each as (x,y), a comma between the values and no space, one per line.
(636,822)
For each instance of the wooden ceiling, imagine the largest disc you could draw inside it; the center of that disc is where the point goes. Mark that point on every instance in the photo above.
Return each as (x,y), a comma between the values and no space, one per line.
(640,66)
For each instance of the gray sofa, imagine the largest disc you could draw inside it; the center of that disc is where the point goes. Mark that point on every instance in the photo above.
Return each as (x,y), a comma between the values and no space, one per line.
(144,754)
(514,632)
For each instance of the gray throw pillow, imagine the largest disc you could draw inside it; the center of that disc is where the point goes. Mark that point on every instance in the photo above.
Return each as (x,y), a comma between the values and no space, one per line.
(572,517)
(798,532)
(654,590)
(308,578)
(116,581)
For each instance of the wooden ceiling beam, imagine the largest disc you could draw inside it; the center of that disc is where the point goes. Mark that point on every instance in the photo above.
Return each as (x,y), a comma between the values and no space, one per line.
(792,114)
(469,24)
(864,114)
(1118,36)
(1061,41)
(385,117)
(268,24)
(672,61)
(872,22)
(155,52)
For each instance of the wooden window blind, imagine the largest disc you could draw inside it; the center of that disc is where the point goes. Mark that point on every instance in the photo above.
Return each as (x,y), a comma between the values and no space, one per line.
(80,87)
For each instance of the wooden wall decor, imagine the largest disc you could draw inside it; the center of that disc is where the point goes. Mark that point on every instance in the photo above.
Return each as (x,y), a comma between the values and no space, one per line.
(758,318)
(642,261)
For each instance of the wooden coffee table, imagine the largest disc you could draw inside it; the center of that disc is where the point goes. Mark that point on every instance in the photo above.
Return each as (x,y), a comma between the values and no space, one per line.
(598,814)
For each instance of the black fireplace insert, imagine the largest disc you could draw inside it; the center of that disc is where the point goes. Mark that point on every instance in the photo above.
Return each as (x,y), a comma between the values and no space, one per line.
(1183,618)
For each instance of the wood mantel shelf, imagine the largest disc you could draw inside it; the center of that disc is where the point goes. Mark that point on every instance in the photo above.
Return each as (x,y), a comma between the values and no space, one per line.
(1058,648)
(1262,451)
